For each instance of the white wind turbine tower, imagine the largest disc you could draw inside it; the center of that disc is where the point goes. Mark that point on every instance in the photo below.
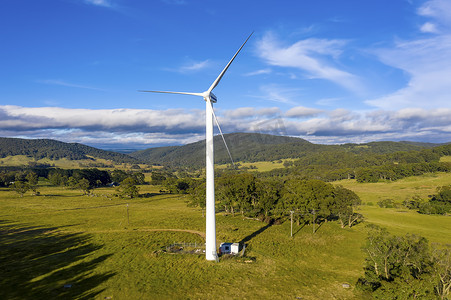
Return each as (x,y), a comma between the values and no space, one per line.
(209,97)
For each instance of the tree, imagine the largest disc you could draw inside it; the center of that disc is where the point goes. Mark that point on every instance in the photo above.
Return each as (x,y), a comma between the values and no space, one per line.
(268,194)
(397,267)
(309,198)
(6,178)
(20,187)
(197,195)
(157,178)
(118,175)
(32,179)
(59,177)
(128,188)
(442,270)
(344,202)
(237,192)
(83,185)
(139,177)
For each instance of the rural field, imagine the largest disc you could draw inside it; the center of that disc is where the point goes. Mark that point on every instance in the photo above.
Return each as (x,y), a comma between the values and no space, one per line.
(62,244)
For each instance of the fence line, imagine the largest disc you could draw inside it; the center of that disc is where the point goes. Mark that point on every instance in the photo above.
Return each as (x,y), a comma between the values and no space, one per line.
(185,245)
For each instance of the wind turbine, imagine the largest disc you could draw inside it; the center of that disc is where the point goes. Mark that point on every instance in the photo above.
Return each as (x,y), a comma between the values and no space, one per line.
(209,97)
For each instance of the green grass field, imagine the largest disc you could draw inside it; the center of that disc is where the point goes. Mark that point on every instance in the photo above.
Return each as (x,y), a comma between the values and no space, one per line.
(64,163)
(261,166)
(64,245)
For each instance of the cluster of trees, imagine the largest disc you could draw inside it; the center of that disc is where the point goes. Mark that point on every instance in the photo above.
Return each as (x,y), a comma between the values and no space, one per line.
(438,203)
(88,179)
(397,171)
(25,181)
(308,201)
(365,166)
(82,179)
(403,267)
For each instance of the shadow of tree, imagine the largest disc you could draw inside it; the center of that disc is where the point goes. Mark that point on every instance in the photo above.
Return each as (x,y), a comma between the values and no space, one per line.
(38,263)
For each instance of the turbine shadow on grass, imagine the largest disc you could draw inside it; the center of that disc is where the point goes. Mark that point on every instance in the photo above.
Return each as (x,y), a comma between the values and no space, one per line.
(254,234)
(38,263)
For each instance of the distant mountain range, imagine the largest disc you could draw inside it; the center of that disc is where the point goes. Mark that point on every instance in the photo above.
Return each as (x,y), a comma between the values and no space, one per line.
(245,147)
(252,147)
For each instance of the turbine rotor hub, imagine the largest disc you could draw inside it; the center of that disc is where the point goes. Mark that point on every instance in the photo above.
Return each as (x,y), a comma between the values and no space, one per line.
(210,95)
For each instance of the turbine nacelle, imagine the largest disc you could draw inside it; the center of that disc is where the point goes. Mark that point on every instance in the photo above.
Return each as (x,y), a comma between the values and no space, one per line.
(210,95)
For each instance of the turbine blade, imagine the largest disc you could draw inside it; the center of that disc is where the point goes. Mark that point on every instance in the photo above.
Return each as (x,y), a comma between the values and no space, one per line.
(220,131)
(216,82)
(168,92)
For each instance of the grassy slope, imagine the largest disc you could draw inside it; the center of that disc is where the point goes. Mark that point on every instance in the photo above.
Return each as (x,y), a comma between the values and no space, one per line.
(86,242)
(401,220)
(64,163)
(23,160)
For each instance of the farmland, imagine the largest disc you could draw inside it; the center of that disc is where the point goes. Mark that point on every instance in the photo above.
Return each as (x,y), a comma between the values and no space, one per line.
(63,244)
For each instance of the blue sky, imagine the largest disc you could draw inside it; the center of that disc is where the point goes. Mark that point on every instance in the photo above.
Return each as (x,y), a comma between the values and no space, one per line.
(327,71)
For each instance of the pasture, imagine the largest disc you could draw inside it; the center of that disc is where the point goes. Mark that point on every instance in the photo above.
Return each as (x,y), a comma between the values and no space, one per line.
(62,244)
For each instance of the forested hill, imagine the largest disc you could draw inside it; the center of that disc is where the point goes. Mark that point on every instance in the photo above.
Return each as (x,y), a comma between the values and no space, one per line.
(44,148)
(243,147)
(252,147)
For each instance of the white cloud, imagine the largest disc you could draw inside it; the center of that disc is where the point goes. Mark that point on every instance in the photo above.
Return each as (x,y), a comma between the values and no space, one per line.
(429,27)
(66,84)
(242,112)
(427,63)
(302,112)
(259,72)
(177,126)
(175,2)
(104,3)
(195,66)
(315,57)
(172,120)
(280,94)
(437,9)
(251,112)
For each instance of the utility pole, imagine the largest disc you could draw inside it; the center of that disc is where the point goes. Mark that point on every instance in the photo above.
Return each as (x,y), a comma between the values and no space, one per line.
(128,218)
(313,220)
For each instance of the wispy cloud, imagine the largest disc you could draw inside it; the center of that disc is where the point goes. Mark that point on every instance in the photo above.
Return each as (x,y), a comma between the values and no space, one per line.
(259,72)
(174,2)
(104,3)
(315,57)
(280,94)
(439,10)
(190,66)
(67,84)
(425,60)
(195,66)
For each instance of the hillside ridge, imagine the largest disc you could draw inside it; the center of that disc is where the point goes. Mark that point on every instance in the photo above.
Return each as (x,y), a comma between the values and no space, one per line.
(53,149)
(253,147)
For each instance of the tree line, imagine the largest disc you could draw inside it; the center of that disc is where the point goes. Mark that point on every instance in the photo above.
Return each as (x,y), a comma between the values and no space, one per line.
(85,180)
(308,201)
(365,166)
